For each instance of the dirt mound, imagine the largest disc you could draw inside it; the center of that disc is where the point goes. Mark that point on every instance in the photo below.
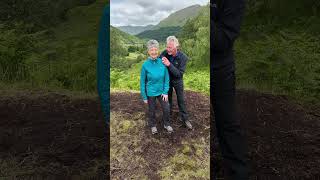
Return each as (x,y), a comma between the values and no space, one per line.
(52,134)
(163,155)
(283,137)
(198,107)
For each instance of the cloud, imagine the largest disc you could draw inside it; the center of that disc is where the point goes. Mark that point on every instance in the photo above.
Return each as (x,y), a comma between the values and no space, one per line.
(145,12)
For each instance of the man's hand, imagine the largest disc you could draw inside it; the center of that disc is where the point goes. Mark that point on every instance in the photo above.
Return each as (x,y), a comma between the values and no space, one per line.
(145,101)
(164,97)
(165,61)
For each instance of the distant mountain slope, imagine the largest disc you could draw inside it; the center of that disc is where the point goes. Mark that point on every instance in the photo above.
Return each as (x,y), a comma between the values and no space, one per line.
(176,19)
(160,34)
(134,30)
(124,37)
(179,18)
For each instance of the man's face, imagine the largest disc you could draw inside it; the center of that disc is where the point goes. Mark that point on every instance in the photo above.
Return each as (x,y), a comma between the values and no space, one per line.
(153,52)
(171,49)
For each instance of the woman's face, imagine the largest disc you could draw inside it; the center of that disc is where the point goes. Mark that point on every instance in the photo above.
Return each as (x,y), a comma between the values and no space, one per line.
(153,52)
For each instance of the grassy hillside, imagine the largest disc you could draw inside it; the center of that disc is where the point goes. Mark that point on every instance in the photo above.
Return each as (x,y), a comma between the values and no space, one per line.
(168,26)
(38,14)
(173,24)
(125,49)
(72,44)
(278,50)
(160,34)
(180,17)
(124,37)
(134,30)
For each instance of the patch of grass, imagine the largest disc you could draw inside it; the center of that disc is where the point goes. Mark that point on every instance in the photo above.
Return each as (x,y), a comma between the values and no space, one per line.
(12,168)
(192,161)
(198,81)
(125,153)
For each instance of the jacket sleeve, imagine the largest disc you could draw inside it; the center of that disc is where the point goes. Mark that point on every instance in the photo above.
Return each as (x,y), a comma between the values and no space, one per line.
(178,72)
(143,77)
(166,81)
(226,27)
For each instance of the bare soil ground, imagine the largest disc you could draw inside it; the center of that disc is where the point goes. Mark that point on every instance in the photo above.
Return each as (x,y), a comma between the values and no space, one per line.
(50,135)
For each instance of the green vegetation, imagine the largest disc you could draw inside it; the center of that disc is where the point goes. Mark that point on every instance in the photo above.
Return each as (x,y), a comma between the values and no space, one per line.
(124,38)
(189,162)
(38,14)
(134,30)
(278,50)
(160,34)
(176,19)
(57,55)
(194,39)
(52,45)
(126,159)
(180,17)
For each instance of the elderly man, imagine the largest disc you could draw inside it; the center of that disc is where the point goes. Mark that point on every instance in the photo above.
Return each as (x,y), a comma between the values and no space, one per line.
(176,61)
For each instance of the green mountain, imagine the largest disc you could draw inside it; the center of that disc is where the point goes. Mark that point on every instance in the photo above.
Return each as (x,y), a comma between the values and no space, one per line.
(179,18)
(134,30)
(176,19)
(124,37)
(160,34)
(173,24)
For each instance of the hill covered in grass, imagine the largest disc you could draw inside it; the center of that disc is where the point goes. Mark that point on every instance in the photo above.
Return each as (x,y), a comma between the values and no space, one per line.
(124,37)
(278,48)
(134,30)
(34,58)
(180,17)
(160,34)
(168,26)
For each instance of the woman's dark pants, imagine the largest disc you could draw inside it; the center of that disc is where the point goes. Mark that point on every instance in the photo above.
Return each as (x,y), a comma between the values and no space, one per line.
(152,101)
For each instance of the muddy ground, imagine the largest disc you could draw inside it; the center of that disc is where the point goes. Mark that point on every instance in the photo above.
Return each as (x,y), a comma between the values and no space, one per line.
(51,136)
(54,135)
(157,150)
(283,137)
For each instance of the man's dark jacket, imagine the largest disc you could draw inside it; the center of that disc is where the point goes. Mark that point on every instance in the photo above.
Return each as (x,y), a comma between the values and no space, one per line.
(177,65)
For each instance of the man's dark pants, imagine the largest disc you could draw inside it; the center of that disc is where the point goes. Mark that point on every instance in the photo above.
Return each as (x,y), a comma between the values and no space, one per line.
(152,101)
(230,137)
(179,89)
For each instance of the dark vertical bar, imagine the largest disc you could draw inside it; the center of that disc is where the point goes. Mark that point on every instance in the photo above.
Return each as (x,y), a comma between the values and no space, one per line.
(103,74)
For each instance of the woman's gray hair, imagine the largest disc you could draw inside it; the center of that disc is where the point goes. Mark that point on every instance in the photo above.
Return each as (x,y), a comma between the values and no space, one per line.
(152,43)
(174,39)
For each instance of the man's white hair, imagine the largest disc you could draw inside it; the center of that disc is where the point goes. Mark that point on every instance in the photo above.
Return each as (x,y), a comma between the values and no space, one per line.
(152,43)
(174,40)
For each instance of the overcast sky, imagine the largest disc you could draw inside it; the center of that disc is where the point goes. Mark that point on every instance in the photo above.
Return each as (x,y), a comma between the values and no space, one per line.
(145,12)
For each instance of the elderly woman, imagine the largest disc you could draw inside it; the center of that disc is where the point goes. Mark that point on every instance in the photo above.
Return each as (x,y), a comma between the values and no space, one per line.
(154,84)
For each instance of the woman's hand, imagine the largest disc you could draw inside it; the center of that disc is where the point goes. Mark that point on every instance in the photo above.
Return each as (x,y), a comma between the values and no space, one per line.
(145,101)
(164,97)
